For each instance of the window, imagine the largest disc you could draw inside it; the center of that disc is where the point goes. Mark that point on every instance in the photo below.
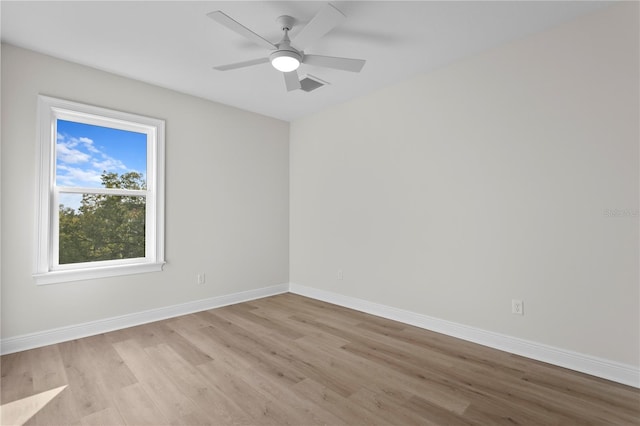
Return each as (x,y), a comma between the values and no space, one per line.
(100,192)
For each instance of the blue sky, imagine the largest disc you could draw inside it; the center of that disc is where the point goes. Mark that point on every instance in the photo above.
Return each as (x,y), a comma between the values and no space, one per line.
(84,151)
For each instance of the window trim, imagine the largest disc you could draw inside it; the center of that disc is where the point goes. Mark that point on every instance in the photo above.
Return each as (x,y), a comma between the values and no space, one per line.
(46,270)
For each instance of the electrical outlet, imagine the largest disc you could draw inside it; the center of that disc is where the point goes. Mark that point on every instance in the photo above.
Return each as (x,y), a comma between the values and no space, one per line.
(517,307)
(340,275)
(200,278)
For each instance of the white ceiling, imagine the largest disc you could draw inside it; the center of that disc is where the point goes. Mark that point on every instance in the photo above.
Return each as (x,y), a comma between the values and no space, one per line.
(174,44)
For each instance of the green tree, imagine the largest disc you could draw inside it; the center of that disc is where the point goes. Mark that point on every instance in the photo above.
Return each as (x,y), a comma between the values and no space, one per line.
(72,241)
(105,227)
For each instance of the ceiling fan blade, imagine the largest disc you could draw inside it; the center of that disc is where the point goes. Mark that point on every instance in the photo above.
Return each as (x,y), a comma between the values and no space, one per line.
(324,21)
(345,64)
(291,80)
(241,64)
(236,27)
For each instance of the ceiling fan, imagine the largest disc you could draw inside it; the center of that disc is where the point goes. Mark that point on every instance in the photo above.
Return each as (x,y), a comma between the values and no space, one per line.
(286,58)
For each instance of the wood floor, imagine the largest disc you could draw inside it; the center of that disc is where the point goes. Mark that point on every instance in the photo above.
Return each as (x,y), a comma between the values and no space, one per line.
(292,360)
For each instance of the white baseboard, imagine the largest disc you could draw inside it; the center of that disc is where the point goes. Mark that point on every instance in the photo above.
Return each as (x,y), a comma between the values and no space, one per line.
(63,334)
(606,369)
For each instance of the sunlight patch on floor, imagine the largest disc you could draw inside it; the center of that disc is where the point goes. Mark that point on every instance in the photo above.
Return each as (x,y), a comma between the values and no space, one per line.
(18,412)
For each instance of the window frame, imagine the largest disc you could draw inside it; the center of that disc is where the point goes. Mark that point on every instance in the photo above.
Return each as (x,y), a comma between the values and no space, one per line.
(47,270)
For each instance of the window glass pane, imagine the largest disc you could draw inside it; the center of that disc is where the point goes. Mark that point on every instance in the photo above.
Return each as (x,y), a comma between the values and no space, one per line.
(91,156)
(97,227)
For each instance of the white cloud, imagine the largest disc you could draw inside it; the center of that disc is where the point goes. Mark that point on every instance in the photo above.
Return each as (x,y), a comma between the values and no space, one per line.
(74,176)
(68,154)
(88,143)
(108,163)
(70,200)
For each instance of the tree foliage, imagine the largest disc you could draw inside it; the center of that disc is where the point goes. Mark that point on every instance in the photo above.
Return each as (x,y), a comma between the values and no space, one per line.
(105,227)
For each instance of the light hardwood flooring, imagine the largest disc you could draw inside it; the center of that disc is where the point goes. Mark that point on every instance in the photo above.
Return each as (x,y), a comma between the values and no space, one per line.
(292,360)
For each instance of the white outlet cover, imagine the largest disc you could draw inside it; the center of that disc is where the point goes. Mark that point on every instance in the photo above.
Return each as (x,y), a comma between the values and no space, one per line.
(517,307)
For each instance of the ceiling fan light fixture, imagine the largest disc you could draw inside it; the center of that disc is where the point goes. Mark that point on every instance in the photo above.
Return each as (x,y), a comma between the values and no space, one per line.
(285,60)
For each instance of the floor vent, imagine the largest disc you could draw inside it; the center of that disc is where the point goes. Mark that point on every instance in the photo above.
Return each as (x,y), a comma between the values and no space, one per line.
(310,83)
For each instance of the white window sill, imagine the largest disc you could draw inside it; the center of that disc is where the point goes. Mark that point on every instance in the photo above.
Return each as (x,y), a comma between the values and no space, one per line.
(54,277)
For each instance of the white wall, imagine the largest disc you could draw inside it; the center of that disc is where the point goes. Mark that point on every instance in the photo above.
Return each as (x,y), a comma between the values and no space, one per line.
(227,201)
(446,195)
(454,192)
